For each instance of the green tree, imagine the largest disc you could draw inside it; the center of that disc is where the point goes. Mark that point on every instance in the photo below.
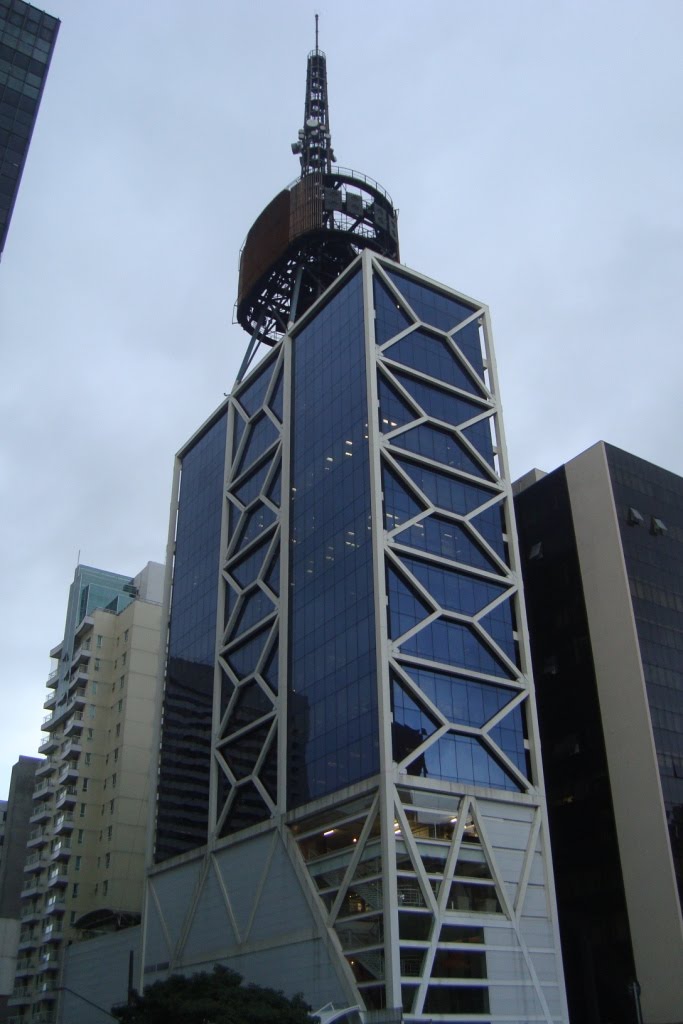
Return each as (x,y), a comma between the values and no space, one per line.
(216,998)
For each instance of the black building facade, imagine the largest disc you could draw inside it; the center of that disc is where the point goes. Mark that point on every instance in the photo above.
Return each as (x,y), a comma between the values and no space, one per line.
(601,541)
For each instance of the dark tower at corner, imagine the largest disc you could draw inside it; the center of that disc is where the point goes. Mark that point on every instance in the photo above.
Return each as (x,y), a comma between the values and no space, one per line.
(310,232)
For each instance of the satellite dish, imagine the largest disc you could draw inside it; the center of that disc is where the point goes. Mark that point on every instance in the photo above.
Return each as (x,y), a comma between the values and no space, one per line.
(312,122)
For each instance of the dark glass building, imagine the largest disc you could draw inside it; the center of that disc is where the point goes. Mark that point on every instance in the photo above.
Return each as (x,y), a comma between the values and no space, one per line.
(27,39)
(371,824)
(602,553)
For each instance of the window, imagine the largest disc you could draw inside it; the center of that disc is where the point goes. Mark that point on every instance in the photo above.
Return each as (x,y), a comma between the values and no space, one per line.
(98,641)
(634,517)
(80,837)
(125,637)
(121,682)
(111,806)
(77,864)
(123,658)
(91,711)
(116,754)
(75,889)
(109,834)
(72,917)
(105,887)
(88,757)
(120,706)
(84,787)
(89,734)
(107,860)
(82,811)
(118,728)
(97,664)
(94,688)
(113,781)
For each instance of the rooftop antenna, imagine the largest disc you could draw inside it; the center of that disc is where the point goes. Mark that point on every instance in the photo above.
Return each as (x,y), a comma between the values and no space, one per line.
(314,142)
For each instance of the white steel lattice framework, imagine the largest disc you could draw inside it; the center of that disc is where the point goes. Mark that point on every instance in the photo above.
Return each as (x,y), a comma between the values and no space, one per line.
(427,882)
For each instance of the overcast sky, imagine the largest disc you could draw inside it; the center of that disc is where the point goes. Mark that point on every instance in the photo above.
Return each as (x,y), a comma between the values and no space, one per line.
(533,148)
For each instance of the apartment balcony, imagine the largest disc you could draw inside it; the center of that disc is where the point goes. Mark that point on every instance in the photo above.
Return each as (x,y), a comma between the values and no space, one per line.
(55,905)
(66,796)
(86,623)
(53,679)
(44,788)
(74,724)
(61,850)
(34,887)
(72,750)
(31,914)
(77,690)
(49,961)
(35,863)
(63,823)
(46,766)
(37,838)
(45,990)
(50,722)
(57,877)
(53,932)
(67,775)
(49,744)
(26,967)
(43,812)
(28,941)
(50,701)
(81,656)
(21,997)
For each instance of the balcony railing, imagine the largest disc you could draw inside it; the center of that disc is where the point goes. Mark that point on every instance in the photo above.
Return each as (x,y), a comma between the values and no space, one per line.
(66,796)
(40,813)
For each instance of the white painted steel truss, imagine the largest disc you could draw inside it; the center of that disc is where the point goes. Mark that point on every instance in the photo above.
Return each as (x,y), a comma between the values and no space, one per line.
(431,857)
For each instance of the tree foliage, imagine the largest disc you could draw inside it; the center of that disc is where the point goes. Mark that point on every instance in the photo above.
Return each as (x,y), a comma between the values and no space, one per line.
(216,998)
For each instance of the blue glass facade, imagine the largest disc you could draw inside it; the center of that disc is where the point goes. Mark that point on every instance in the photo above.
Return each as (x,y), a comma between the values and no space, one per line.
(450,595)
(333,730)
(371,705)
(183,791)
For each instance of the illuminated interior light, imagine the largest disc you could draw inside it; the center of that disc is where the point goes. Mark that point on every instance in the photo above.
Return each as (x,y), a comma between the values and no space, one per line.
(330,832)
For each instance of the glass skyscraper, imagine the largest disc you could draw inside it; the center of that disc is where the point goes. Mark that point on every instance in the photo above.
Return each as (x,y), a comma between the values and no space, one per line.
(27,39)
(370,825)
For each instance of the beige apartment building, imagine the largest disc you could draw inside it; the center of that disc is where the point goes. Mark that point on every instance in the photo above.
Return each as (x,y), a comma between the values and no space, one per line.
(86,850)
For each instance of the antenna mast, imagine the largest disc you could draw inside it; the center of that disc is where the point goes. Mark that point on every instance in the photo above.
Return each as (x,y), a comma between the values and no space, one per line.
(314,143)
